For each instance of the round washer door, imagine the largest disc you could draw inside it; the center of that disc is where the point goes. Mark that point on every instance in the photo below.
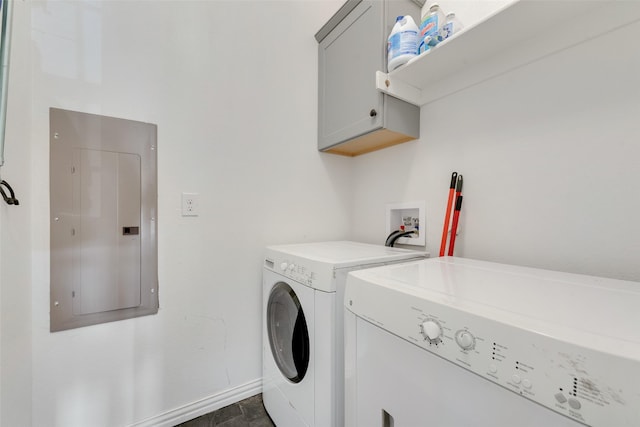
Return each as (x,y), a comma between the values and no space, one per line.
(287,332)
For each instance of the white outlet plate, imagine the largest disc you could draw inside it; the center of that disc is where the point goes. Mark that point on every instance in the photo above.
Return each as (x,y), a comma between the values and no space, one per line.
(397,211)
(190,204)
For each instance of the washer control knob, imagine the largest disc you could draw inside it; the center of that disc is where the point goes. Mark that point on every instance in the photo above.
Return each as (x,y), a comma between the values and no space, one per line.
(431,330)
(465,340)
(283,266)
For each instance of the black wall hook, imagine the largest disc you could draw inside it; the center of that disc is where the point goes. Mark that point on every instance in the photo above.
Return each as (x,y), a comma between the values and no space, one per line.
(11,200)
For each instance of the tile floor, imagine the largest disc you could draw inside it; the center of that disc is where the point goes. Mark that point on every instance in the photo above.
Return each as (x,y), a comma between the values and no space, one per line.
(246,413)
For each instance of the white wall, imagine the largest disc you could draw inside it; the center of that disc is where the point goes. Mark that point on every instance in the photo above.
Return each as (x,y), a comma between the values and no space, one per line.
(15,239)
(232,87)
(549,153)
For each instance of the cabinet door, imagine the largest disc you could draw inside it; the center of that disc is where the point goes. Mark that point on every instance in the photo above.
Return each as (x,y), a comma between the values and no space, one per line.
(349,105)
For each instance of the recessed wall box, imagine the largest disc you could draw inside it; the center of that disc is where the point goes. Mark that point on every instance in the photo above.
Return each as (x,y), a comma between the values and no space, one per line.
(407,216)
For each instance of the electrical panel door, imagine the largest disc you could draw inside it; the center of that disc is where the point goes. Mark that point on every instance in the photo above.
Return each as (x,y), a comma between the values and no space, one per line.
(107,203)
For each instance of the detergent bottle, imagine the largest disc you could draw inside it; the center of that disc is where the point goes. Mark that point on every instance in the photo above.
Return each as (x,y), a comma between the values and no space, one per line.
(402,44)
(432,21)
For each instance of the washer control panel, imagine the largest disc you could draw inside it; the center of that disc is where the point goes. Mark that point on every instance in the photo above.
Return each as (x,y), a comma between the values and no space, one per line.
(293,269)
(588,386)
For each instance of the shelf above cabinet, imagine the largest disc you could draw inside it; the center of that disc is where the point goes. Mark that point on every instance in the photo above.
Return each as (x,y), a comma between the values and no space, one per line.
(518,34)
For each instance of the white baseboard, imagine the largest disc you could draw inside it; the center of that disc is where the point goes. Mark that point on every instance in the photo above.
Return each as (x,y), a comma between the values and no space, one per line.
(203,406)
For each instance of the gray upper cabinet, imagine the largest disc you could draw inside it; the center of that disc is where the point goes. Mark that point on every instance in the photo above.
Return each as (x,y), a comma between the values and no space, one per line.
(353,116)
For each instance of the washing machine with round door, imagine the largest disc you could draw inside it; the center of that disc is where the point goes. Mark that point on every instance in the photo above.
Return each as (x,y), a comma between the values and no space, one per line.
(303,363)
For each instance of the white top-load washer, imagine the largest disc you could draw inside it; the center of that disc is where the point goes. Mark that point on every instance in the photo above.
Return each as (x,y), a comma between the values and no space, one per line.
(453,342)
(303,290)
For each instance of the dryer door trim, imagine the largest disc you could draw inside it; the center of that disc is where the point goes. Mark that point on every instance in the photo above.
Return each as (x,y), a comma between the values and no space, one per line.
(288,332)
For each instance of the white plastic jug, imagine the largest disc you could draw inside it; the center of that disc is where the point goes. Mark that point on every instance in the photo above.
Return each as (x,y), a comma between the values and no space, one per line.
(402,44)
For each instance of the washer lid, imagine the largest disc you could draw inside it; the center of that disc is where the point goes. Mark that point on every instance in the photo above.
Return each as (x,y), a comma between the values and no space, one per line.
(340,254)
(314,264)
(593,312)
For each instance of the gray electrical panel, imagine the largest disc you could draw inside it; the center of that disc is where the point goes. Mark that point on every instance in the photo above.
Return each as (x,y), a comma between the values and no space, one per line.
(103,199)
